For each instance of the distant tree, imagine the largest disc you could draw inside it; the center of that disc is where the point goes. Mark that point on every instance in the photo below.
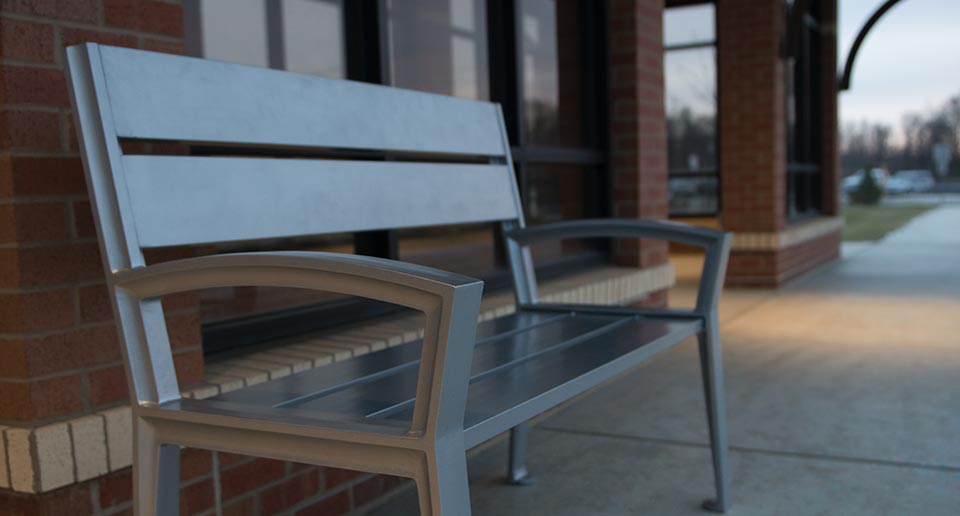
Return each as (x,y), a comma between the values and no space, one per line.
(865,143)
(869,191)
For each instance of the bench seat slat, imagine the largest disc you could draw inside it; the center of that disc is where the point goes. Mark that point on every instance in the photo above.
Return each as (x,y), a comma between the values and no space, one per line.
(382,395)
(524,364)
(340,375)
(259,198)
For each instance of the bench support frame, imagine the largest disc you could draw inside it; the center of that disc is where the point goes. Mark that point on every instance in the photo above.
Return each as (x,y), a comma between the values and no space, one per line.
(201,101)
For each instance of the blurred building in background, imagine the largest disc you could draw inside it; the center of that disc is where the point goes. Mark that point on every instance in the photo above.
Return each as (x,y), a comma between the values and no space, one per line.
(721,114)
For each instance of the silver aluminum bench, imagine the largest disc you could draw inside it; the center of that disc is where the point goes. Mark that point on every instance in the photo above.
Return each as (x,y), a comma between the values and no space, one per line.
(411,410)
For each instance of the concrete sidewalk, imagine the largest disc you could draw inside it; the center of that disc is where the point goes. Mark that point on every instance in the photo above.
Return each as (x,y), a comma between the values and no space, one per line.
(843,399)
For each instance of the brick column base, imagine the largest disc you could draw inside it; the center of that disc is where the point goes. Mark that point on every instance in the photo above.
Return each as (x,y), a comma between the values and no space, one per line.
(771,268)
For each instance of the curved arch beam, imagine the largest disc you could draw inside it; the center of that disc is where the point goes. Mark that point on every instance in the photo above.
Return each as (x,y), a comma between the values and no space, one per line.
(852,56)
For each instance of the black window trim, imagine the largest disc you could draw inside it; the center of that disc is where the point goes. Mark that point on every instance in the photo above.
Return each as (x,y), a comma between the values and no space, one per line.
(709,172)
(366,60)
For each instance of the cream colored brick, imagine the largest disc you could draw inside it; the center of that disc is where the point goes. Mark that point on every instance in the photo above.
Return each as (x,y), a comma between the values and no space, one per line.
(260,365)
(298,361)
(55,460)
(245,375)
(20,461)
(89,446)
(224,383)
(321,346)
(4,477)
(119,429)
(204,391)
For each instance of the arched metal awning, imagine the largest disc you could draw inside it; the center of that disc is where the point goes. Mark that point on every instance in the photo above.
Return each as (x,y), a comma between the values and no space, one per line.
(852,55)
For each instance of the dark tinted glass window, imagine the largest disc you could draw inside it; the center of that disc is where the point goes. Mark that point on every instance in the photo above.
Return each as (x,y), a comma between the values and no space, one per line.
(690,77)
(439,46)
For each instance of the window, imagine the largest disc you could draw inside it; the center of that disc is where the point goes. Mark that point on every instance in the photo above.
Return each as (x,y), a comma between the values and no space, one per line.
(803,82)
(690,76)
(543,60)
(297,35)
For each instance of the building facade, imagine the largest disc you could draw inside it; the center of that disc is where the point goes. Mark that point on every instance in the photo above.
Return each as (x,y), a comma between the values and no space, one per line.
(716,113)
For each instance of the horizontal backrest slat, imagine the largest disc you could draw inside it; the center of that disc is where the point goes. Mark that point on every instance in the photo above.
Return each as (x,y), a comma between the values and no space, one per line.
(159,96)
(181,200)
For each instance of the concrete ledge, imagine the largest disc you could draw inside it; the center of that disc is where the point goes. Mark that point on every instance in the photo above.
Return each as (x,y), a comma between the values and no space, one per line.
(793,235)
(41,459)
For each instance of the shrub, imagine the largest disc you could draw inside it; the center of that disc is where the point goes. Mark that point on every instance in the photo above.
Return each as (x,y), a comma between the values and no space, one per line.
(869,191)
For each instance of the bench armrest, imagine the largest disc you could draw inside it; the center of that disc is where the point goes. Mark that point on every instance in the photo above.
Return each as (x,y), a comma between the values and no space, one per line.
(450,303)
(715,243)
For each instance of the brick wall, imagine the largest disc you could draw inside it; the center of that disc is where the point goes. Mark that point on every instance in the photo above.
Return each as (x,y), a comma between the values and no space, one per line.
(638,128)
(831,131)
(753,138)
(59,354)
(768,269)
(248,486)
(753,142)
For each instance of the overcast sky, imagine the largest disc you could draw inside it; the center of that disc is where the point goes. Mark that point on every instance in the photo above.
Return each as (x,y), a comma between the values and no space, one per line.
(910,61)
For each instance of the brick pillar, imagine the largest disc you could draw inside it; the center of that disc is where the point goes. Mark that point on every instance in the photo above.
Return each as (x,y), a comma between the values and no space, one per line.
(639,128)
(831,135)
(753,152)
(753,145)
(59,355)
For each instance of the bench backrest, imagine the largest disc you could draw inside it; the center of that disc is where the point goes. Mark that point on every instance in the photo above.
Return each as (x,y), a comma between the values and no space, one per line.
(456,164)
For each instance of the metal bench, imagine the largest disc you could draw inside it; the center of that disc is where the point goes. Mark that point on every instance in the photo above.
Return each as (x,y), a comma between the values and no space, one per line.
(411,410)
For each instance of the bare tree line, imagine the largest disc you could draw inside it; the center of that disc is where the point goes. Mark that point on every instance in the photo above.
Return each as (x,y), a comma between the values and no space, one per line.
(868,144)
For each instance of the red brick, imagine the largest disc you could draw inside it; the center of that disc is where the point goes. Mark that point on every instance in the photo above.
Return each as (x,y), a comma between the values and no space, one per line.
(26,176)
(29,130)
(13,359)
(71,36)
(49,265)
(107,386)
(29,85)
(145,15)
(246,477)
(293,491)
(167,47)
(30,41)
(194,463)
(70,349)
(35,311)
(94,303)
(83,224)
(242,507)
(197,498)
(33,222)
(184,330)
(74,10)
(42,399)
(336,476)
(115,488)
(228,460)
(189,366)
(369,490)
(332,506)
(181,301)
(74,500)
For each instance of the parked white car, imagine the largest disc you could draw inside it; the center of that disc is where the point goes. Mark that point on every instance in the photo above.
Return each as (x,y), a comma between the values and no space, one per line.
(907,181)
(850,183)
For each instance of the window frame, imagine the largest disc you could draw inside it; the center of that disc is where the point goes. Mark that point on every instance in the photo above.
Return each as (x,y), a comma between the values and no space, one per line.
(804,148)
(367,59)
(713,172)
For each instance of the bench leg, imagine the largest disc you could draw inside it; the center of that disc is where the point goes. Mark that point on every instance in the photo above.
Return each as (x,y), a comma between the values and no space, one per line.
(443,487)
(517,473)
(156,474)
(711,368)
